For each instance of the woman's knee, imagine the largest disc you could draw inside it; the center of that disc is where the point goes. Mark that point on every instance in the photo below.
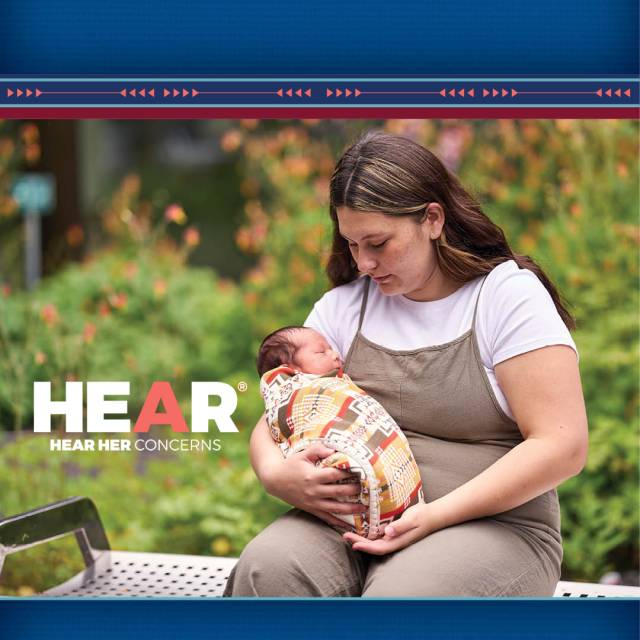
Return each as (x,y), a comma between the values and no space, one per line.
(261,570)
(297,555)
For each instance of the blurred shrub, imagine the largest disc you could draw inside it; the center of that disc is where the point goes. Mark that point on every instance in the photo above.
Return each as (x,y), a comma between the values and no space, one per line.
(136,312)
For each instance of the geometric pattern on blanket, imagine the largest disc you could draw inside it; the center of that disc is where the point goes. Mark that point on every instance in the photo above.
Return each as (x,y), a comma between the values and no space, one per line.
(303,409)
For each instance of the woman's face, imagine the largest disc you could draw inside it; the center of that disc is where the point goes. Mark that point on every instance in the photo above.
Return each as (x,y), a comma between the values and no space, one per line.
(396,251)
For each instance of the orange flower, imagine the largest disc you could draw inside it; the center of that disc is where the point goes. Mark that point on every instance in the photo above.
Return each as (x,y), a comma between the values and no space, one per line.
(131,184)
(40,358)
(256,275)
(6,290)
(159,288)
(297,166)
(175,213)
(622,170)
(118,300)
(231,140)
(576,210)
(191,237)
(32,153)
(89,332)
(251,298)
(6,147)
(130,270)
(225,285)
(527,243)
(29,132)
(103,309)
(75,235)
(49,315)
(243,238)
(8,206)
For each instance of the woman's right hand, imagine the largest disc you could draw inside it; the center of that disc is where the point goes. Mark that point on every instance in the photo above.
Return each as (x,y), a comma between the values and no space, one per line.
(298,481)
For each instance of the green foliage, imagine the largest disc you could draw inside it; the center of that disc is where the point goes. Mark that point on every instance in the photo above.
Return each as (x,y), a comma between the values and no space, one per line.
(116,319)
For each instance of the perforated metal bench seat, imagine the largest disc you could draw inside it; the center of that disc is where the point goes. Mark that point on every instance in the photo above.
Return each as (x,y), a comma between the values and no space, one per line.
(168,575)
(132,574)
(151,574)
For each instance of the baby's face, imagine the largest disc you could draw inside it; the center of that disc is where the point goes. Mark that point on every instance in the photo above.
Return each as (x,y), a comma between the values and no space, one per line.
(314,354)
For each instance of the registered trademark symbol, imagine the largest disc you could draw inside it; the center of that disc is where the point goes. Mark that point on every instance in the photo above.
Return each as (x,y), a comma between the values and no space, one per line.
(242,386)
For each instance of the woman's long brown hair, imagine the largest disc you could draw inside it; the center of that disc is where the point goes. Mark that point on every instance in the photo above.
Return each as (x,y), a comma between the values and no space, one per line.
(396,176)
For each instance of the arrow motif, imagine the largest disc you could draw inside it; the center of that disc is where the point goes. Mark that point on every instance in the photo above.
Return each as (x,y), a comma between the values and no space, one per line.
(558,93)
(442,92)
(458,93)
(39,93)
(142,93)
(399,93)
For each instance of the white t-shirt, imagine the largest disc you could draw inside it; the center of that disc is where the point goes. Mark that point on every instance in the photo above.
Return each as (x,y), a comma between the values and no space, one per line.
(515,314)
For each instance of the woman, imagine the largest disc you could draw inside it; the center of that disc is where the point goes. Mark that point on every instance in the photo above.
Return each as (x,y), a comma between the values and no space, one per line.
(468,347)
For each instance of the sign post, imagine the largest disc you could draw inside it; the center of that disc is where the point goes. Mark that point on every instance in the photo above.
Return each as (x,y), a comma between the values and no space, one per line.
(35,194)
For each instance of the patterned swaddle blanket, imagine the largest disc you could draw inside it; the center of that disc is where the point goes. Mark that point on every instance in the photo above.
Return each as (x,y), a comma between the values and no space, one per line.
(302,409)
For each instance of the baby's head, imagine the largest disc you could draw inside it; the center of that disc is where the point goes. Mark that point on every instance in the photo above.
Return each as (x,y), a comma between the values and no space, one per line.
(300,348)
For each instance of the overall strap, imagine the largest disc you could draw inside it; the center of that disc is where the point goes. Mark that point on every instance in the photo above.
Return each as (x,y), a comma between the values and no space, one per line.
(475,309)
(365,297)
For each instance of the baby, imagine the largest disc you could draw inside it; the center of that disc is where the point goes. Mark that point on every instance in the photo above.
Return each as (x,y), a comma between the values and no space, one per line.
(308,399)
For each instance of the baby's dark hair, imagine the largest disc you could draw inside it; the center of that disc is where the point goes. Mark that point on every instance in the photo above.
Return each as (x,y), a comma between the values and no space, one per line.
(277,349)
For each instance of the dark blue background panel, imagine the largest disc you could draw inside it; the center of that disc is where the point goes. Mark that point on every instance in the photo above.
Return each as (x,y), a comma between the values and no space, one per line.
(561,619)
(372,37)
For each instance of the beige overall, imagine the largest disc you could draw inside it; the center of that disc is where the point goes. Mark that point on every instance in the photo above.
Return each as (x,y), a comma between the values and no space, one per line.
(443,400)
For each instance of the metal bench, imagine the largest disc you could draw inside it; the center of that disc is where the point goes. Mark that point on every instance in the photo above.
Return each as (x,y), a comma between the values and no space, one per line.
(133,574)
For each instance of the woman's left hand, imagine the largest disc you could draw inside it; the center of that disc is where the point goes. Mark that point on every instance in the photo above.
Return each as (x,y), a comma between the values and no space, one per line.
(414,524)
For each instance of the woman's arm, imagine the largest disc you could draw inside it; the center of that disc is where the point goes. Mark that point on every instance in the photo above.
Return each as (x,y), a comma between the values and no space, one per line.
(298,481)
(544,392)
